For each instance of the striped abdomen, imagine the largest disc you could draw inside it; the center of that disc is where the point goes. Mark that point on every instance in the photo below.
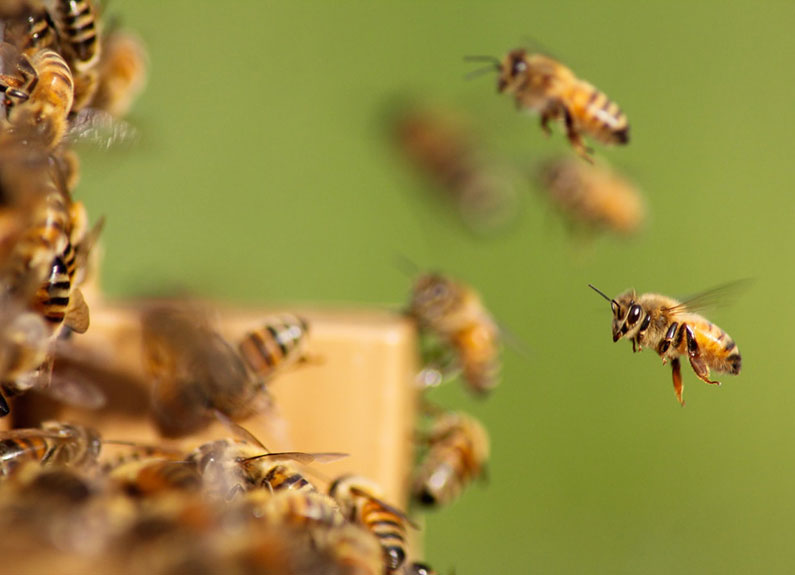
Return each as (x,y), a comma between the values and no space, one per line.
(389,529)
(303,509)
(595,114)
(52,297)
(14,450)
(43,115)
(715,346)
(77,27)
(478,351)
(285,478)
(41,31)
(279,342)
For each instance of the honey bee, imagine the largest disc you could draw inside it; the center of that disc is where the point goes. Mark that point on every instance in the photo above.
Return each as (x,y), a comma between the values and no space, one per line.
(350,549)
(122,73)
(54,443)
(458,449)
(195,372)
(305,509)
(593,196)
(419,569)
(360,501)
(454,312)
(546,86)
(483,192)
(39,97)
(673,329)
(146,477)
(280,342)
(77,23)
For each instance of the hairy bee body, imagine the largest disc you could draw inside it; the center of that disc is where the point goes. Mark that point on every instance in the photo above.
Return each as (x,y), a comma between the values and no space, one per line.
(670,328)
(40,97)
(546,86)
(281,341)
(54,443)
(359,500)
(122,73)
(458,451)
(593,196)
(455,313)
(77,23)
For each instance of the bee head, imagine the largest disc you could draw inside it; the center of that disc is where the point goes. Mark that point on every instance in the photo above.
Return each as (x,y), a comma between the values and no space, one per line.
(433,296)
(626,312)
(512,71)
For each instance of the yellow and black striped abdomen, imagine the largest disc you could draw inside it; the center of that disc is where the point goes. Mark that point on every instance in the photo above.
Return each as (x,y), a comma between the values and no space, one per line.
(389,529)
(15,450)
(285,478)
(41,32)
(52,297)
(595,114)
(77,26)
(279,342)
(717,347)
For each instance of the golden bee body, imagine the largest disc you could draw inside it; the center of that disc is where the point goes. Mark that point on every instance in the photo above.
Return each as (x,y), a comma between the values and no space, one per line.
(672,329)
(77,23)
(456,314)
(280,342)
(458,448)
(359,500)
(593,196)
(122,73)
(544,85)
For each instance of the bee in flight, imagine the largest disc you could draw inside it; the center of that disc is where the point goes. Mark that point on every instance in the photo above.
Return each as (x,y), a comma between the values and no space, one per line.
(592,196)
(544,85)
(673,329)
(454,312)
(458,447)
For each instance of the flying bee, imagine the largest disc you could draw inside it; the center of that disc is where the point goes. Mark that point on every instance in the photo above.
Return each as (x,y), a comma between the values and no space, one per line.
(593,196)
(544,85)
(196,373)
(280,342)
(39,97)
(77,23)
(53,443)
(441,148)
(673,329)
(454,313)
(122,73)
(458,448)
(360,501)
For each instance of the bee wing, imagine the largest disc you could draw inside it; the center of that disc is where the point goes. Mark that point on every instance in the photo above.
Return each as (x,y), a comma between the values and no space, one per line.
(301,457)
(100,128)
(77,392)
(77,318)
(385,505)
(711,298)
(239,431)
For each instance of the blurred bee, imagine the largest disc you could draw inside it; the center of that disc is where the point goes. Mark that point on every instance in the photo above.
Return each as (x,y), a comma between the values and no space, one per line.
(454,313)
(304,509)
(122,73)
(31,28)
(360,501)
(154,475)
(38,98)
(54,443)
(77,24)
(196,374)
(280,342)
(446,154)
(458,448)
(350,549)
(593,196)
(419,569)
(546,86)
(672,329)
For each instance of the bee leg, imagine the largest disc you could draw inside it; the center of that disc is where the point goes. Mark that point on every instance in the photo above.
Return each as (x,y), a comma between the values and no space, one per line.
(696,360)
(676,371)
(575,139)
(546,115)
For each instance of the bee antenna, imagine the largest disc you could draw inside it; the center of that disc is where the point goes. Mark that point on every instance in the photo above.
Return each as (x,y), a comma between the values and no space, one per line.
(494,65)
(601,293)
(406,265)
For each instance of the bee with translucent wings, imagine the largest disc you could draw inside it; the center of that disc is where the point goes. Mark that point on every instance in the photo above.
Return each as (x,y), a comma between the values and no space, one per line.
(53,443)
(673,329)
(544,85)
(455,313)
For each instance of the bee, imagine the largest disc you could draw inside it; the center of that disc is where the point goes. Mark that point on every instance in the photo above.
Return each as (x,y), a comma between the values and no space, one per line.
(39,97)
(454,313)
(53,443)
(280,342)
(593,196)
(420,569)
(196,373)
(457,452)
(155,475)
(482,191)
(77,24)
(122,73)
(350,549)
(546,86)
(300,509)
(360,501)
(673,329)
(31,28)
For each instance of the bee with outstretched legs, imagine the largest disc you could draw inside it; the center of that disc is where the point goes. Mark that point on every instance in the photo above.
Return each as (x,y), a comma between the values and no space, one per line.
(544,85)
(455,314)
(673,329)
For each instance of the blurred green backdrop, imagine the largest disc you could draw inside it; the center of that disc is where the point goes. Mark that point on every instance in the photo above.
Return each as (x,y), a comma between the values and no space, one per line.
(262,175)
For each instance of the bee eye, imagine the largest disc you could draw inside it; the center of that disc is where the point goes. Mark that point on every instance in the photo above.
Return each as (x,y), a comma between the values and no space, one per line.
(634,314)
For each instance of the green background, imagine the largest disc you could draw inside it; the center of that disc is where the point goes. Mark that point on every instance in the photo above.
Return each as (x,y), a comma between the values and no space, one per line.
(262,174)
